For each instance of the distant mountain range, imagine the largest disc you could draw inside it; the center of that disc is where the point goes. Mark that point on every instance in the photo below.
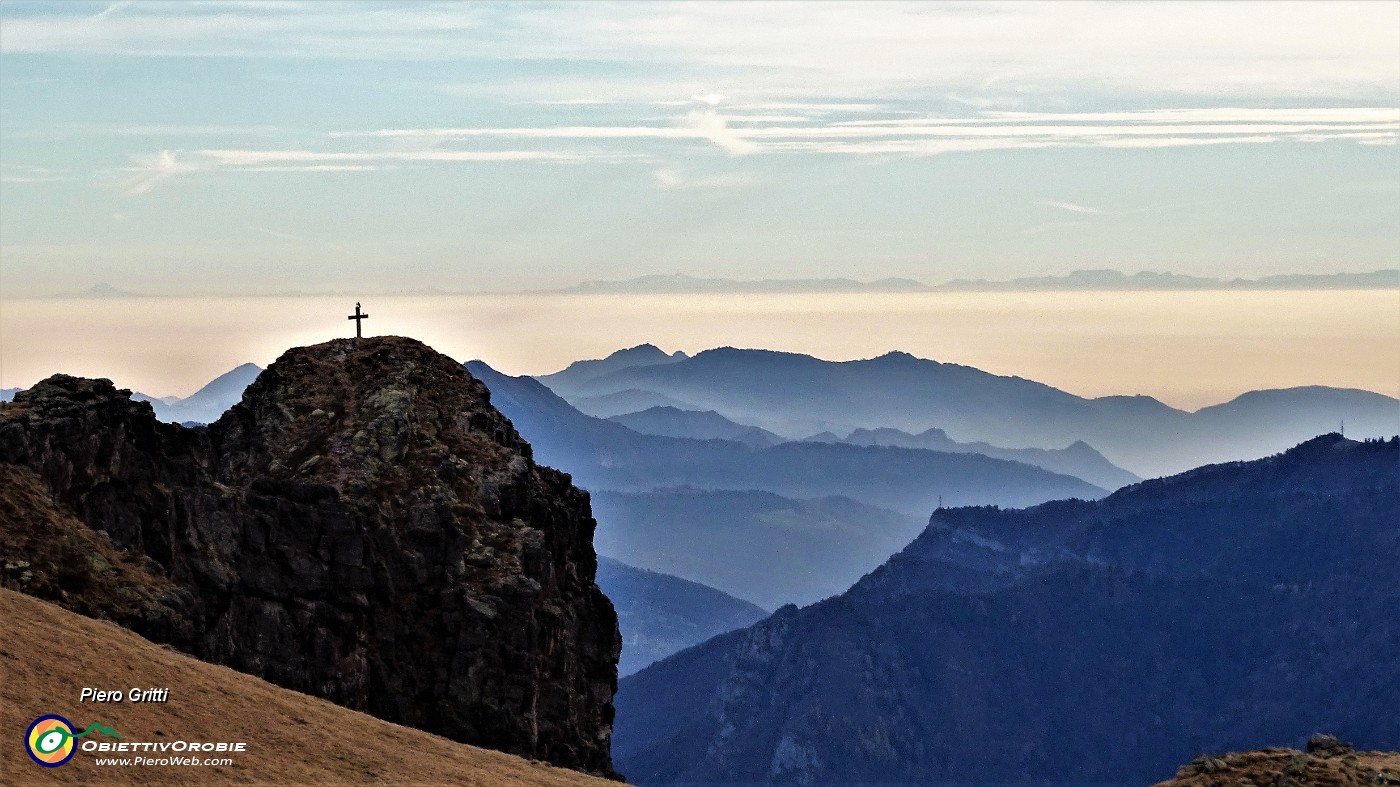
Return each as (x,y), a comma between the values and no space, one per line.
(105,290)
(659,614)
(681,283)
(1386,279)
(1078,280)
(797,396)
(208,403)
(603,454)
(201,407)
(1075,642)
(707,425)
(628,402)
(1079,459)
(792,522)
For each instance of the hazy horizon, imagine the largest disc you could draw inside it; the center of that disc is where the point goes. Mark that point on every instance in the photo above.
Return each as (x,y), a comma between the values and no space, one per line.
(1189,349)
(1079,280)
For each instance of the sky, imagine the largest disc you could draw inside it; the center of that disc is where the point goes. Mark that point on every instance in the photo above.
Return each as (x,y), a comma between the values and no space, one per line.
(262,147)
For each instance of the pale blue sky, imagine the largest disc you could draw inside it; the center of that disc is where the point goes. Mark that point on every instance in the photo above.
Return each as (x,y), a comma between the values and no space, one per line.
(256,147)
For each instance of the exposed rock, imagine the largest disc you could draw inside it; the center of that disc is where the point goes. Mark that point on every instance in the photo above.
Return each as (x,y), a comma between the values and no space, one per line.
(1327,745)
(1336,765)
(364,526)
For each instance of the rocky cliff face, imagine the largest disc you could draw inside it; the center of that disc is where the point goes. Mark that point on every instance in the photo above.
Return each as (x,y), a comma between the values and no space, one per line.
(364,526)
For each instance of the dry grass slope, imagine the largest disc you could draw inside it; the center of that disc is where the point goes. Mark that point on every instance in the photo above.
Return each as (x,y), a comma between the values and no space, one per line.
(47,655)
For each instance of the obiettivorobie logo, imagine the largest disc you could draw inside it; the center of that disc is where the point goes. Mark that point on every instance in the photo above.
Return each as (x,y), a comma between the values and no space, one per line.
(51,742)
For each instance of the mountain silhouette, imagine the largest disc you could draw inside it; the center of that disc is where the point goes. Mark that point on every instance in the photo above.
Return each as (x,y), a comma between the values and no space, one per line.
(1078,459)
(1107,641)
(208,403)
(580,372)
(604,455)
(631,400)
(681,283)
(790,522)
(797,395)
(659,614)
(708,425)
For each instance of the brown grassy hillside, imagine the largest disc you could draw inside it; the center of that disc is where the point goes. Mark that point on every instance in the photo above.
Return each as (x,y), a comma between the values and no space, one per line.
(47,655)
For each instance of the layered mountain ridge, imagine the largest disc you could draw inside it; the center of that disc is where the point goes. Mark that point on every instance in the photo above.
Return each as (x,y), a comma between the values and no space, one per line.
(604,454)
(208,403)
(660,614)
(1073,642)
(797,521)
(796,395)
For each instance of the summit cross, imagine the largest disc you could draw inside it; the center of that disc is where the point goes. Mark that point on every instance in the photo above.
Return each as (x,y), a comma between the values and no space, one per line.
(357,316)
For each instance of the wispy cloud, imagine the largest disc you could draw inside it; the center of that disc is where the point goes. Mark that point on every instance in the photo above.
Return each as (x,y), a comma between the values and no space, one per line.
(866,49)
(275,234)
(872,136)
(255,158)
(111,9)
(1204,117)
(150,130)
(1072,207)
(33,175)
(813,107)
(671,179)
(149,170)
(984,131)
(712,126)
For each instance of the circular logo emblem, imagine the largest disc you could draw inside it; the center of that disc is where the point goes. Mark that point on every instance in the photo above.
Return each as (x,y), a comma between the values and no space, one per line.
(50,741)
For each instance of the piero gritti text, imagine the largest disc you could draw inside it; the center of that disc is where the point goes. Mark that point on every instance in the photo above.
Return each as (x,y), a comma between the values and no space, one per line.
(134,695)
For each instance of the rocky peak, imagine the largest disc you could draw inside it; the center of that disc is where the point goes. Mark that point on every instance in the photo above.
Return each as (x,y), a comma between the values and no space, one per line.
(385,410)
(363,526)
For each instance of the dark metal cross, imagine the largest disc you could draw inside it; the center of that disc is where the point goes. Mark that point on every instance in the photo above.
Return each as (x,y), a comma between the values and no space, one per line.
(357,316)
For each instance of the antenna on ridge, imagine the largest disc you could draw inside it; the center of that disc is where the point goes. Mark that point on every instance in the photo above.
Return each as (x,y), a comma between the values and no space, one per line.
(1342,429)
